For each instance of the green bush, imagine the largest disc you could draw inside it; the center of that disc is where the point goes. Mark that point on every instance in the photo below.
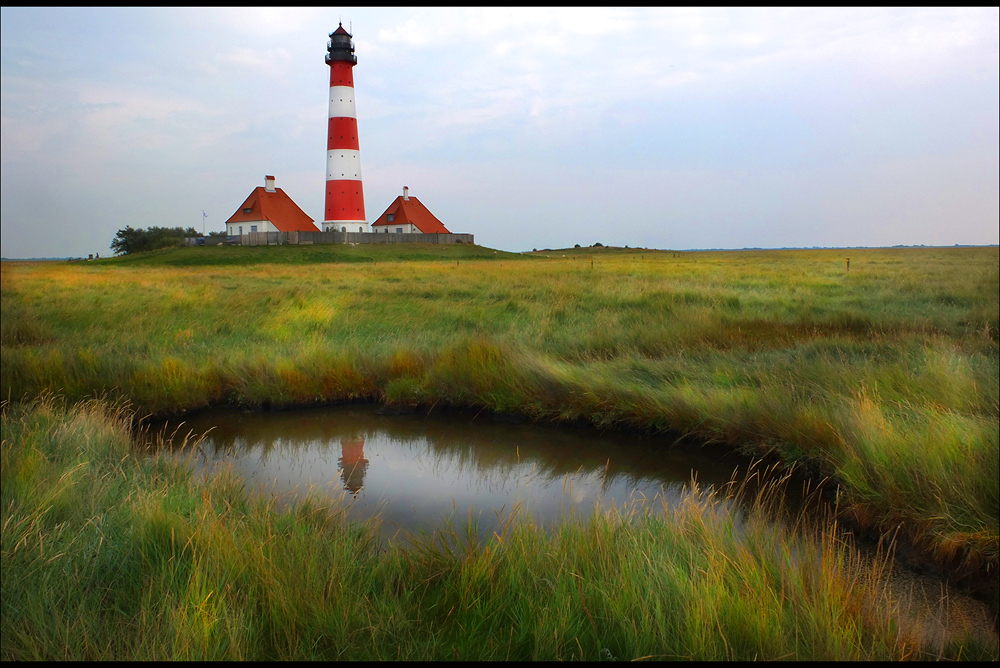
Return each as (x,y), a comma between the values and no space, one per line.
(131,240)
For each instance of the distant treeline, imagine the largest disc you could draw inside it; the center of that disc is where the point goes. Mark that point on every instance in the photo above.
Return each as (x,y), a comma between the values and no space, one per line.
(130,240)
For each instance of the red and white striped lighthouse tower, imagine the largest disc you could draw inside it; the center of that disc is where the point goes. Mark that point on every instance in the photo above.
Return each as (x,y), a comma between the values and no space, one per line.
(345,202)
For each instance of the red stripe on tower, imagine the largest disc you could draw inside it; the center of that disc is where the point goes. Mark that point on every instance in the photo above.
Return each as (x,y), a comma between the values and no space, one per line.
(345,203)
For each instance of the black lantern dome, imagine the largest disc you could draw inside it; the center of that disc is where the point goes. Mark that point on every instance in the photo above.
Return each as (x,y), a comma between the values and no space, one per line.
(340,46)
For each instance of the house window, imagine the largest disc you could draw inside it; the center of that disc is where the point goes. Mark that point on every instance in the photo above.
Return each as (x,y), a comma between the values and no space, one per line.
(390,218)
(241,230)
(343,229)
(361,229)
(253,228)
(247,210)
(399,230)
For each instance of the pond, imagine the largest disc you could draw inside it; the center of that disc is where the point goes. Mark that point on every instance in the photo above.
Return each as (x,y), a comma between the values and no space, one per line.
(418,471)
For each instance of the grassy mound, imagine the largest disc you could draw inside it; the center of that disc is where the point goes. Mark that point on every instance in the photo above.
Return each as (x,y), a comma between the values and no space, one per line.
(207,256)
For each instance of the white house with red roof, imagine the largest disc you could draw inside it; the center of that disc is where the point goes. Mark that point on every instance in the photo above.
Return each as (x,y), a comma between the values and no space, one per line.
(409,216)
(269,209)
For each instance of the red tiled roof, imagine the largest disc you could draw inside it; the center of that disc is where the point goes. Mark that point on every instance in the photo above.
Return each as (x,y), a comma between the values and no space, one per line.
(411,211)
(276,207)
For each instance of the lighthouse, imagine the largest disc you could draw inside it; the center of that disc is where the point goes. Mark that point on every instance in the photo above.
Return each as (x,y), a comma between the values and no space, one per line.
(345,203)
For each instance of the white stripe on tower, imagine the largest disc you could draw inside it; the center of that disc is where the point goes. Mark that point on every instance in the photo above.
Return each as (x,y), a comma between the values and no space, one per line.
(342,102)
(343,164)
(345,203)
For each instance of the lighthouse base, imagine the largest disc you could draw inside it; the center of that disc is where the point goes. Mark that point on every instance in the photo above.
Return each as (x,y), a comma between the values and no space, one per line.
(353,226)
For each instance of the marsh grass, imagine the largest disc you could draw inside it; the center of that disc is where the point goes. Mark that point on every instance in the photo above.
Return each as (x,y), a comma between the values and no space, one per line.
(883,378)
(109,554)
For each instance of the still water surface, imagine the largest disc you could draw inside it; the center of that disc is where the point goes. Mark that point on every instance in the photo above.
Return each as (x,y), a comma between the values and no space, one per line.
(417,471)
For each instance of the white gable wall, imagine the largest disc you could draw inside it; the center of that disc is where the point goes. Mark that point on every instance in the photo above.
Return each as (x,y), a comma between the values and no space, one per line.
(408,228)
(233,229)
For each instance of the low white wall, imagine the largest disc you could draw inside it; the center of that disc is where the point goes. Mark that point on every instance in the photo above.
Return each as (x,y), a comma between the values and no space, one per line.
(266,239)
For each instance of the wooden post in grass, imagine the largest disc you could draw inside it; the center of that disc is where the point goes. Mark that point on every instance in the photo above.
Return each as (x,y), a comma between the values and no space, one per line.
(848,264)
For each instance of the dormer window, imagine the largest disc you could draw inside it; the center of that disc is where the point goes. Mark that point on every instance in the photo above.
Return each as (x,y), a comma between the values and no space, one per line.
(390,218)
(247,210)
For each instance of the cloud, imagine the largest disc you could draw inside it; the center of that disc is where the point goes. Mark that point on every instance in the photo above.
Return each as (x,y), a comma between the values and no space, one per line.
(274,62)
(502,29)
(257,22)
(572,66)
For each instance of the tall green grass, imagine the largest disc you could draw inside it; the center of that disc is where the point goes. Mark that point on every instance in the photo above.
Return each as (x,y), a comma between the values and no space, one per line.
(883,378)
(112,555)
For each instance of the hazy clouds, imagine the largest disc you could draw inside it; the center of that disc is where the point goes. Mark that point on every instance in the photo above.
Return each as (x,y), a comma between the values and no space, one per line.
(687,128)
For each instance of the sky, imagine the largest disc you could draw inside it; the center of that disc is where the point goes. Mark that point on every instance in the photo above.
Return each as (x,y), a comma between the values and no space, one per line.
(527,127)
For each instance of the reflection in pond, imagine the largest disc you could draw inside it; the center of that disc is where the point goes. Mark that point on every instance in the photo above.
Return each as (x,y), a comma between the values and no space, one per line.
(353,464)
(417,471)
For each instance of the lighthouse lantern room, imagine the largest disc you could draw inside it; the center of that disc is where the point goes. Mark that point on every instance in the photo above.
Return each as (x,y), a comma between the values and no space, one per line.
(345,203)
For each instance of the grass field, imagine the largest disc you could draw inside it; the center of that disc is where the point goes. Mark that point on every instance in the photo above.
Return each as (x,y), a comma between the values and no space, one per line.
(883,378)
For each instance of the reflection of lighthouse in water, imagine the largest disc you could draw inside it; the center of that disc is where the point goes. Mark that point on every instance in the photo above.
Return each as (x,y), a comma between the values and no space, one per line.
(353,463)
